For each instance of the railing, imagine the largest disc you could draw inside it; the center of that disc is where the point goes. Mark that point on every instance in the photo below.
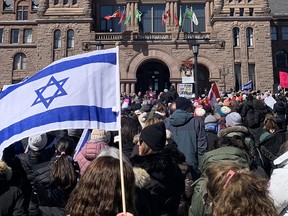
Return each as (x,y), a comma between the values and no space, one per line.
(152,36)
(108,36)
(198,36)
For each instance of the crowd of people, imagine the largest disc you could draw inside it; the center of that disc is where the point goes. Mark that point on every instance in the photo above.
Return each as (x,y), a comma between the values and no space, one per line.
(180,157)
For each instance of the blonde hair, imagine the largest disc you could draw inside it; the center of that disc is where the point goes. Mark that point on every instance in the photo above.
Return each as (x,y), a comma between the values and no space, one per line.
(151,121)
(5,171)
(242,194)
(146,149)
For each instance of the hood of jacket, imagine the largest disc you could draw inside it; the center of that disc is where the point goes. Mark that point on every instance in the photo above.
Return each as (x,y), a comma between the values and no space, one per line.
(91,149)
(234,130)
(142,178)
(224,154)
(180,117)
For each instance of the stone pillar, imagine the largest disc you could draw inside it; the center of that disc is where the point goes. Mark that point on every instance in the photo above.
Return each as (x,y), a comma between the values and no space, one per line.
(122,88)
(132,87)
(208,16)
(127,89)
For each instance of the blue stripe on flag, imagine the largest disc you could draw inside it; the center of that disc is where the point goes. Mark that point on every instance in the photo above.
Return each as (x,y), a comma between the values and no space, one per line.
(86,134)
(71,113)
(110,58)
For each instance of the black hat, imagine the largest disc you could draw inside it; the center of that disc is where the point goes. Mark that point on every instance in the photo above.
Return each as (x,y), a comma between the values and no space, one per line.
(154,136)
(183,103)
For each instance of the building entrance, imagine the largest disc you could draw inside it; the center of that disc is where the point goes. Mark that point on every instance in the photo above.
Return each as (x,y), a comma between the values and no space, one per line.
(203,79)
(152,74)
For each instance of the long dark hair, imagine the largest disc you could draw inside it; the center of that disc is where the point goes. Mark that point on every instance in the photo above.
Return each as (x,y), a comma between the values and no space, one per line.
(99,190)
(64,170)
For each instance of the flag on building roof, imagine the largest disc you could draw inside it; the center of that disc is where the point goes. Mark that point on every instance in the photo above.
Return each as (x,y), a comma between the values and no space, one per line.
(116,14)
(213,94)
(190,14)
(76,92)
(123,16)
(247,86)
(128,19)
(165,16)
(138,15)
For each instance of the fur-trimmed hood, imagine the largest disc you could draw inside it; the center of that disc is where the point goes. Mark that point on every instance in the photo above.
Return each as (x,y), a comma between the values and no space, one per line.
(234,130)
(142,178)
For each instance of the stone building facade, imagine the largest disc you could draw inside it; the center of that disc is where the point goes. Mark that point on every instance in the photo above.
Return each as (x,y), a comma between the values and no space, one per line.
(233,36)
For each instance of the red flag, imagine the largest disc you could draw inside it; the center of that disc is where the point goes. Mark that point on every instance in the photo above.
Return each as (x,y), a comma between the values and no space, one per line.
(122,17)
(116,14)
(213,94)
(165,16)
(283,76)
(176,20)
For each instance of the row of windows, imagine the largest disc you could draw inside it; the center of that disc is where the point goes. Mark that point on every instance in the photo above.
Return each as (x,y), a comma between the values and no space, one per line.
(151,18)
(70,39)
(242,11)
(283,33)
(27,37)
(65,2)
(239,1)
(15,36)
(249,37)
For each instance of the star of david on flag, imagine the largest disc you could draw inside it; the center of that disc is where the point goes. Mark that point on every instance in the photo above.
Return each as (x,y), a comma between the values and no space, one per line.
(59,92)
(77,92)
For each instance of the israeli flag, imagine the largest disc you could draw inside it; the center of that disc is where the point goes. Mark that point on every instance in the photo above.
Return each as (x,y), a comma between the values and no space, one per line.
(247,86)
(78,92)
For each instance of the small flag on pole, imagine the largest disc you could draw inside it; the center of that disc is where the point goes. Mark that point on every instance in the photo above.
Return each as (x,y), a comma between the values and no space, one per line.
(247,86)
(176,20)
(128,19)
(180,17)
(76,92)
(166,15)
(123,16)
(190,14)
(116,14)
(213,94)
(138,15)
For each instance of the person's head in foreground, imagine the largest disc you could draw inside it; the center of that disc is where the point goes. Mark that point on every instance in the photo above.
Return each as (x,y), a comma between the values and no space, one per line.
(99,190)
(234,190)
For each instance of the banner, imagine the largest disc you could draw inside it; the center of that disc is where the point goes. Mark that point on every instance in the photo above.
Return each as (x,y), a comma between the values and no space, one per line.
(185,90)
(213,94)
(77,92)
(283,76)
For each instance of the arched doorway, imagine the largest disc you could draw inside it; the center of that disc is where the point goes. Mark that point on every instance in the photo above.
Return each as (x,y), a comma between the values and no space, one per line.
(203,79)
(153,74)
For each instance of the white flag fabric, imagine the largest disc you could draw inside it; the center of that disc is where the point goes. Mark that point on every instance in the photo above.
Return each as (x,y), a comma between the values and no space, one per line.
(76,92)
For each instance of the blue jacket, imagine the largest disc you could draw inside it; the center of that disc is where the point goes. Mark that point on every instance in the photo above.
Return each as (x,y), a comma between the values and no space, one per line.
(189,134)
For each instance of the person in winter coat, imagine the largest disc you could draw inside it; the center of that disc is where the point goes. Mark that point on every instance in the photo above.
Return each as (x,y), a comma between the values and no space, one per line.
(98,141)
(234,190)
(11,197)
(280,108)
(172,94)
(189,134)
(167,183)
(228,150)
(54,181)
(211,129)
(278,187)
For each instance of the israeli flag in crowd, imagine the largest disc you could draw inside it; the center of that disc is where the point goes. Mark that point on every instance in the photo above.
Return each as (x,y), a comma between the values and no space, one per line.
(247,86)
(77,92)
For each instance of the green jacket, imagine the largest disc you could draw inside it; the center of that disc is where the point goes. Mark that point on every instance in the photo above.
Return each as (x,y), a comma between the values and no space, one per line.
(199,206)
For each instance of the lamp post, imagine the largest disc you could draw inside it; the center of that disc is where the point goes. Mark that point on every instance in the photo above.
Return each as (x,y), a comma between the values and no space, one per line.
(99,46)
(195,48)
(224,72)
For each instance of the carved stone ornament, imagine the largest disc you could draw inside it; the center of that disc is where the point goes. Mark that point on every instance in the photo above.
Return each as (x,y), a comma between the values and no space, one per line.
(186,68)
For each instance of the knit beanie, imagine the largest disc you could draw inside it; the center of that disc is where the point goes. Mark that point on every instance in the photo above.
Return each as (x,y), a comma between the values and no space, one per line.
(37,142)
(100,136)
(200,112)
(183,103)
(154,136)
(224,110)
(233,119)
(210,120)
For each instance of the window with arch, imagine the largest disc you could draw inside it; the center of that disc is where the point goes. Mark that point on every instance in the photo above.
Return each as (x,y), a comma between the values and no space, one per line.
(56,2)
(57,39)
(74,2)
(22,10)
(65,2)
(70,38)
(236,39)
(281,59)
(249,36)
(20,62)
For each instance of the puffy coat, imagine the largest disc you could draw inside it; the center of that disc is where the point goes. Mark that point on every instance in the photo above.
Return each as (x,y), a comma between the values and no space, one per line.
(166,182)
